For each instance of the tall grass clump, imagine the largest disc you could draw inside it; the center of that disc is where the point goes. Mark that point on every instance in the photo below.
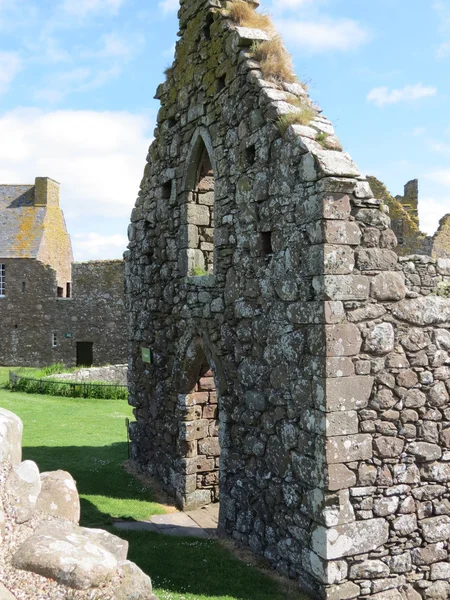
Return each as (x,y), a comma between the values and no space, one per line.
(275,61)
(303,116)
(244,14)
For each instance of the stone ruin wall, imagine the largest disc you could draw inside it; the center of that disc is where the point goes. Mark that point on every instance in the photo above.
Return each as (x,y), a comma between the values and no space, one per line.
(31,312)
(43,550)
(330,374)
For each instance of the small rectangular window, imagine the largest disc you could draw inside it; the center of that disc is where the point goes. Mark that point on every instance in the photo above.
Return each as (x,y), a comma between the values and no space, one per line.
(2,280)
(24,286)
(54,340)
(68,290)
(60,292)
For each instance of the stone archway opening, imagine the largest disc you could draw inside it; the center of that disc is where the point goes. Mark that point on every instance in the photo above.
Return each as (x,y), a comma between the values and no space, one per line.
(199,432)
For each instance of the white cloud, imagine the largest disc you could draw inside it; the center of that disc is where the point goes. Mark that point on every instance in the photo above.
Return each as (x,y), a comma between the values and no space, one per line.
(168,6)
(443,50)
(323,35)
(418,131)
(383,95)
(79,80)
(441,176)
(97,156)
(116,46)
(431,210)
(10,65)
(89,246)
(440,147)
(82,8)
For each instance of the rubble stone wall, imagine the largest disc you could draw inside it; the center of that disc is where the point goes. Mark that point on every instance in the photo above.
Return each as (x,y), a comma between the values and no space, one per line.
(30,313)
(330,373)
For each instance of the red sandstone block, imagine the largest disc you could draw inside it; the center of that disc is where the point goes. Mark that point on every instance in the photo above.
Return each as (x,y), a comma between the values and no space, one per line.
(210,411)
(206,383)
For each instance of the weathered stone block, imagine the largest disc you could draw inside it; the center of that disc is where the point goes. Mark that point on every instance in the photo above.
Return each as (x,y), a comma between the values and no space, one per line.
(349,448)
(380,339)
(342,287)
(342,394)
(424,451)
(369,569)
(344,591)
(388,287)
(340,477)
(350,539)
(375,259)
(335,340)
(426,310)
(436,529)
(194,430)
(388,447)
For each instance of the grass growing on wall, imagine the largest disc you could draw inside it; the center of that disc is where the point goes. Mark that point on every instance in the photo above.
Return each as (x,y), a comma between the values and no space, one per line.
(88,439)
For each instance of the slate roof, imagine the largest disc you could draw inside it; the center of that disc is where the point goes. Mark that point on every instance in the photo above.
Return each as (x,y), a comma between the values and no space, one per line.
(21,223)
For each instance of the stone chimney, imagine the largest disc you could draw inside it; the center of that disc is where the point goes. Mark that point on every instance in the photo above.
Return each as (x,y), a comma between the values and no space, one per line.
(46,192)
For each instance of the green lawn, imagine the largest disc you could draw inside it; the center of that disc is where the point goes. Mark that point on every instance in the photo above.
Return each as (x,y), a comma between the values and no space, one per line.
(88,439)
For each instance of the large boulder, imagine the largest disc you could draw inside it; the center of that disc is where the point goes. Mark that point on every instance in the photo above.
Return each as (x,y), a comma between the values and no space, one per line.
(10,437)
(22,488)
(68,554)
(135,584)
(59,496)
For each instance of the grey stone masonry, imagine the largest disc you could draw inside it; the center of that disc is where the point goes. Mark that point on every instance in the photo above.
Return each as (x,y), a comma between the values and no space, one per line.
(327,420)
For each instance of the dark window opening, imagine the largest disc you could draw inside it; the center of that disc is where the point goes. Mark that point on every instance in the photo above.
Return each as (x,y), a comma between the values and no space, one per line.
(250,155)
(54,340)
(85,354)
(2,279)
(266,243)
(171,123)
(167,190)
(60,292)
(68,290)
(221,83)
(207,27)
(24,286)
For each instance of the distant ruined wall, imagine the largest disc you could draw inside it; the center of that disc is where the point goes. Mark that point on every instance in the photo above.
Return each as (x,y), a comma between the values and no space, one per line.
(31,313)
(329,352)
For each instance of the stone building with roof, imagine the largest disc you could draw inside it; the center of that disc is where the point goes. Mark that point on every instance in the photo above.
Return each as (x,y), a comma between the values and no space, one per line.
(52,309)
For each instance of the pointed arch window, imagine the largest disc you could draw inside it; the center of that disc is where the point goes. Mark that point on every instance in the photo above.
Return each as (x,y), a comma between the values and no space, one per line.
(199,238)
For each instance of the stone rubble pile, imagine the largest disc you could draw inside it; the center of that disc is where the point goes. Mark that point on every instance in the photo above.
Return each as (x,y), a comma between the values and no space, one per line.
(44,553)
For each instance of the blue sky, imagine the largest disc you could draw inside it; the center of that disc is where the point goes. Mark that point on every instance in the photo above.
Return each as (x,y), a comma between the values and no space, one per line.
(77,80)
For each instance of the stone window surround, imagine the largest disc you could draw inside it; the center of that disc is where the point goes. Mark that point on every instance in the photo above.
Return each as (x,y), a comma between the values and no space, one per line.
(200,139)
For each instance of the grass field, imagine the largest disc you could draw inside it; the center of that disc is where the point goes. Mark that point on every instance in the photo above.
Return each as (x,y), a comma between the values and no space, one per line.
(88,439)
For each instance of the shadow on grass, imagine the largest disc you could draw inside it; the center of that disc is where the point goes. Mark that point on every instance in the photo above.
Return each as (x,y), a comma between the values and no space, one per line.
(203,568)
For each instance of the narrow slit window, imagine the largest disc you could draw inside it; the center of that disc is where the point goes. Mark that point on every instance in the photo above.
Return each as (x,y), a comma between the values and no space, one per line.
(54,340)
(207,27)
(250,155)
(2,280)
(24,286)
(221,83)
(266,243)
(166,190)
(68,290)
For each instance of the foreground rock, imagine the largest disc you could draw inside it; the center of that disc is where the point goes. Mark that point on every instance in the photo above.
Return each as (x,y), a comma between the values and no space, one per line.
(68,554)
(43,547)
(59,496)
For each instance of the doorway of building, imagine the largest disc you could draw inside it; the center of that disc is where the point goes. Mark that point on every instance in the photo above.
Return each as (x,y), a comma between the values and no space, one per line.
(85,354)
